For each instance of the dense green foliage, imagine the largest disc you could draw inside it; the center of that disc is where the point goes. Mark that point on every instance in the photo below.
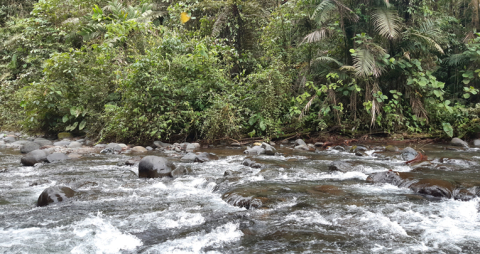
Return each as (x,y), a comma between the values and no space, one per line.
(134,71)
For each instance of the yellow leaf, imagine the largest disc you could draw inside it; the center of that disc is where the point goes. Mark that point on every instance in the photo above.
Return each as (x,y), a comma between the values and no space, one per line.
(184,17)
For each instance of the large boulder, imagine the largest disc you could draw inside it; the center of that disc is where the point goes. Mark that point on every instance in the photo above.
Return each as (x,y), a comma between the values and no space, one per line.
(256,150)
(458,142)
(154,166)
(54,194)
(43,142)
(29,146)
(56,157)
(33,157)
(409,154)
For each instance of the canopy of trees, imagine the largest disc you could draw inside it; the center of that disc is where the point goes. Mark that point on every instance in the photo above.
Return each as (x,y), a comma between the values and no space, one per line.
(137,70)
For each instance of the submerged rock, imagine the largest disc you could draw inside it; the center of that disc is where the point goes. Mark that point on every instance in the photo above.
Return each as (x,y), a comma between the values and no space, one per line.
(431,187)
(250,163)
(344,166)
(154,166)
(33,157)
(241,201)
(201,157)
(54,194)
(29,146)
(458,142)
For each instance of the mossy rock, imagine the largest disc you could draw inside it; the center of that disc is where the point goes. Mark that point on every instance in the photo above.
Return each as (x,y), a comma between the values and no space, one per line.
(63,135)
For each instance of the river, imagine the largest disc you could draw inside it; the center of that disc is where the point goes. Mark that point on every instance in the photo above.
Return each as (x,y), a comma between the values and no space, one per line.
(305,207)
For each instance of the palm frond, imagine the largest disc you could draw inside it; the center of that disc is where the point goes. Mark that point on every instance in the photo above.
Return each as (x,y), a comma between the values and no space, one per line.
(307,107)
(322,11)
(327,59)
(220,22)
(348,13)
(365,64)
(386,22)
(429,41)
(317,35)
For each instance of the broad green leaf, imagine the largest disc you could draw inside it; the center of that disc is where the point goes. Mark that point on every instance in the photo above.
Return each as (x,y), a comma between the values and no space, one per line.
(82,125)
(65,118)
(448,129)
(466,95)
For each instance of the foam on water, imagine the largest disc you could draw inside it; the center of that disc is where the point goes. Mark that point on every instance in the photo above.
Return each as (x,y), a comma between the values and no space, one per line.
(97,235)
(444,225)
(174,217)
(379,189)
(94,234)
(305,176)
(195,243)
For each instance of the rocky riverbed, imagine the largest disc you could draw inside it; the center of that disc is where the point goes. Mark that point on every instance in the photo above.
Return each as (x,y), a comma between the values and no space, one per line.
(71,195)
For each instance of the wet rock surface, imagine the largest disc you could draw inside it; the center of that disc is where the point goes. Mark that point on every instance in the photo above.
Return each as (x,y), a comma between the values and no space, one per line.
(155,167)
(34,157)
(54,194)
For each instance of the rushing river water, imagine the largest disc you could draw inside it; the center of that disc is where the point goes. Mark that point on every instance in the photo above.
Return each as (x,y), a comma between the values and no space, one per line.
(306,208)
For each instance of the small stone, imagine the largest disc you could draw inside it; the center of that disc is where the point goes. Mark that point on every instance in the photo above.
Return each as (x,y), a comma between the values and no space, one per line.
(458,142)
(139,149)
(300,142)
(74,144)
(476,142)
(29,146)
(64,143)
(56,157)
(74,156)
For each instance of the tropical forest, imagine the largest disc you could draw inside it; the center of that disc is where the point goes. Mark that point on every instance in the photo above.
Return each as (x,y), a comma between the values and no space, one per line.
(136,71)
